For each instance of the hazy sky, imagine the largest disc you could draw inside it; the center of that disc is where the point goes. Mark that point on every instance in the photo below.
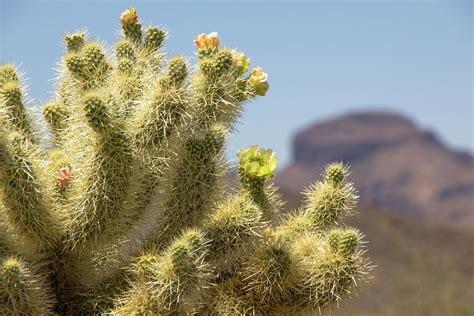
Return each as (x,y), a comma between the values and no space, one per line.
(324,58)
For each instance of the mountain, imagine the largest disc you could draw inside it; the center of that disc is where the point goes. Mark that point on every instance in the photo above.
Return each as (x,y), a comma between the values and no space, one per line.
(394,165)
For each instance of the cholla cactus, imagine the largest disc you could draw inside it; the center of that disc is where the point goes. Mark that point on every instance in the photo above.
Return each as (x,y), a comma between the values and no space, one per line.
(124,209)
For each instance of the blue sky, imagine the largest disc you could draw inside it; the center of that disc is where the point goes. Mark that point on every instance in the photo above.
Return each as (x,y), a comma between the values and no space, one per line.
(323,58)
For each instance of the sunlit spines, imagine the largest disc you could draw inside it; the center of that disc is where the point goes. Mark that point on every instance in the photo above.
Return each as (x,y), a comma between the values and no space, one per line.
(164,108)
(230,299)
(96,63)
(216,95)
(332,199)
(184,277)
(25,201)
(96,112)
(12,105)
(94,57)
(177,282)
(56,115)
(192,184)
(22,291)
(129,79)
(75,64)
(7,73)
(102,182)
(336,173)
(154,38)
(124,49)
(157,118)
(101,211)
(294,225)
(218,65)
(333,240)
(329,273)
(271,275)
(223,61)
(89,66)
(125,66)
(234,229)
(349,242)
(141,159)
(177,70)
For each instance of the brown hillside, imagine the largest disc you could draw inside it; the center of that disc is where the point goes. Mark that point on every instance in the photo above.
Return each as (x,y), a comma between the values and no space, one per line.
(394,164)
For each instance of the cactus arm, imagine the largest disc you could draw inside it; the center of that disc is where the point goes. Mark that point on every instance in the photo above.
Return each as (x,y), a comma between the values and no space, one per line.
(176,282)
(88,67)
(331,266)
(6,242)
(234,229)
(330,200)
(104,180)
(190,185)
(56,115)
(12,105)
(25,201)
(164,111)
(22,291)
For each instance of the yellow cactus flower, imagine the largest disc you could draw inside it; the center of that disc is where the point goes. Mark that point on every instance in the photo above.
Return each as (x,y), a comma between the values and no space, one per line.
(256,162)
(258,79)
(129,16)
(240,61)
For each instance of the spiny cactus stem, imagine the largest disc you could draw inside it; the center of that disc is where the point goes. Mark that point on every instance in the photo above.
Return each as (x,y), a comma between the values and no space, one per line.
(11,100)
(21,291)
(194,183)
(130,213)
(253,186)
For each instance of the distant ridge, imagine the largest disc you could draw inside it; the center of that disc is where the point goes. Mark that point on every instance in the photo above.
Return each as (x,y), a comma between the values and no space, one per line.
(394,164)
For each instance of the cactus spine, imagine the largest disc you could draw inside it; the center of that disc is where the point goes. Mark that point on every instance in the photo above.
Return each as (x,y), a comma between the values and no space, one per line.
(127,211)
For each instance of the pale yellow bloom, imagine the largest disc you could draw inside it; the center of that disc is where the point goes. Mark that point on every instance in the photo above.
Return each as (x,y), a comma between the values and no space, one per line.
(259,80)
(257,162)
(240,61)
(129,16)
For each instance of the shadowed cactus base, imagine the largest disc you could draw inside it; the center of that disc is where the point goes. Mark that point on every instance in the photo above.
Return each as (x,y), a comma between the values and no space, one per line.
(125,209)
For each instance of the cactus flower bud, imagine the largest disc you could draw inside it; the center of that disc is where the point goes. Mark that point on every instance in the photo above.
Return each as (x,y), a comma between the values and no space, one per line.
(256,162)
(258,79)
(335,173)
(7,73)
(129,16)
(240,61)
(64,175)
(350,240)
(206,41)
(74,42)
